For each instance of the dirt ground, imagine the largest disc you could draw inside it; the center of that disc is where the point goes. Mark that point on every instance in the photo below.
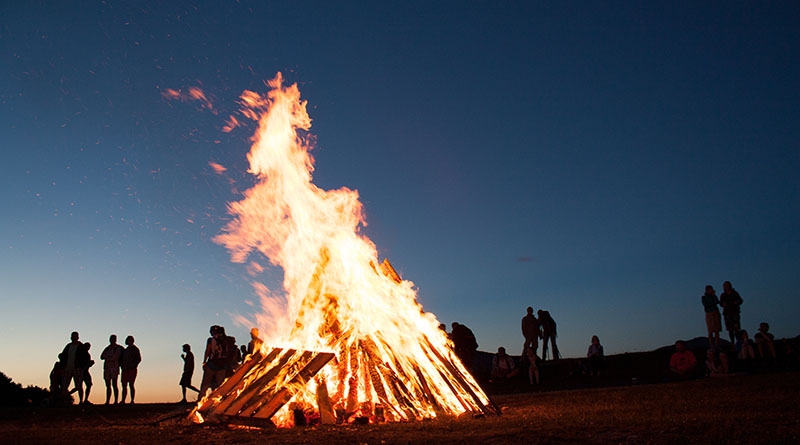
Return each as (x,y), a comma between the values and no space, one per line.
(742,409)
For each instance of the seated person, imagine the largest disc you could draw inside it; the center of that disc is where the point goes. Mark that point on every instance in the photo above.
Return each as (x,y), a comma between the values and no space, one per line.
(595,360)
(714,366)
(765,342)
(503,365)
(746,350)
(683,363)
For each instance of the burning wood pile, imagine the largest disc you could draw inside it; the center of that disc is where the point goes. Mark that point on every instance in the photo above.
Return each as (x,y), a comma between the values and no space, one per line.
(381,357)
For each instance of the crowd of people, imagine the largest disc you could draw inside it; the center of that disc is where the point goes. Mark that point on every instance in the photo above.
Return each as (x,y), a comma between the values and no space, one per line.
(74,363)
(740,354)
(221,356)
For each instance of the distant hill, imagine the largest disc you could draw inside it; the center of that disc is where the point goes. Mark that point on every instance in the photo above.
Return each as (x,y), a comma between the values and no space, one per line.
(621,369)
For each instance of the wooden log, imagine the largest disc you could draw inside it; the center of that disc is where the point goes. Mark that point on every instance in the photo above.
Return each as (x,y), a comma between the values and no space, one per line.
(352,392)
(462,381)
(375,378)
(237,379)
(278,381)
(291,388)
(446,379)
(399,391)
(233,394)
(389,271)
(431,398)
(259,385)
(326,416)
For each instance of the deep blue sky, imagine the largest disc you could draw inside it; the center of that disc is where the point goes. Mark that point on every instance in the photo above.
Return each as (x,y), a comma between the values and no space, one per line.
(604,161)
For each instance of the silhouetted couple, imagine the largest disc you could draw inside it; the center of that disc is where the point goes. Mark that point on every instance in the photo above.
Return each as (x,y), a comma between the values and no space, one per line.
(74,365)
(731,303)
(116,358)
(543,327)
(219,360)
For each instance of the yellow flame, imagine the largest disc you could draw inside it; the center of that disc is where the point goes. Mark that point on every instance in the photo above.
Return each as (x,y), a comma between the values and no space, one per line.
(338,296)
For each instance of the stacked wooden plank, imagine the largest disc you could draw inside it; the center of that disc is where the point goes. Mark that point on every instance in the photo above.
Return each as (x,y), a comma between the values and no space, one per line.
(263,384)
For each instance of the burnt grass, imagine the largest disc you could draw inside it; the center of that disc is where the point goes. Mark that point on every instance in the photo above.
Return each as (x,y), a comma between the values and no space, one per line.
(758,408)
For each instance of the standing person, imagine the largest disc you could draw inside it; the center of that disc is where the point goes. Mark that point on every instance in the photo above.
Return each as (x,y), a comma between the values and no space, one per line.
(188,370)
(530,330)
(710,305)
(731,303)
(214,362)
(111,356)
(255,342)
(131,357)
(548,333)
(83,361)
(71,370)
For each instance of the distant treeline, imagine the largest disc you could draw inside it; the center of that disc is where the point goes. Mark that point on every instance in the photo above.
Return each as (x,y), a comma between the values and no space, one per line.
(13,394)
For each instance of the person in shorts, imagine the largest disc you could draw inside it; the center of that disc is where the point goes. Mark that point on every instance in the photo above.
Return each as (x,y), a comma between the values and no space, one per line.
(111,356)
(188,370)
(713,323)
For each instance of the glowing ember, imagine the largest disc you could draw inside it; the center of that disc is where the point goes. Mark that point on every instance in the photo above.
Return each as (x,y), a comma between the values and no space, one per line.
(392,360)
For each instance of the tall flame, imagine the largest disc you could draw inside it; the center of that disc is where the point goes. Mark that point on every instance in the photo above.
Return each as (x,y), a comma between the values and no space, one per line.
(339,298)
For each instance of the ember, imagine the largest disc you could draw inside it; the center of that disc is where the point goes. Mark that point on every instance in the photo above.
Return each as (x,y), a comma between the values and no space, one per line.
(388,359)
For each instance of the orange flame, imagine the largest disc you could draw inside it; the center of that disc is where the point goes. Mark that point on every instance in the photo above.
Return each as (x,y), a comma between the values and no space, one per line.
(338,296)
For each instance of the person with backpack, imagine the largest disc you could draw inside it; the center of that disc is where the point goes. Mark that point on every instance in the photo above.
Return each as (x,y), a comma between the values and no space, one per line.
(215,362)
(548,333)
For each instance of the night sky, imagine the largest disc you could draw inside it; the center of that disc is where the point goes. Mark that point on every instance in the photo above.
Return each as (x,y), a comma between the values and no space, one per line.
(600,160)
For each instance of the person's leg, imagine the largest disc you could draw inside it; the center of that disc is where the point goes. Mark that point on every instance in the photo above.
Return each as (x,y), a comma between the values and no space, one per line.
(555,353)
(78,384)
(133,388)
(108,389)
(183,391)
(88,391)
(544,347)
(124,390)
(116,389)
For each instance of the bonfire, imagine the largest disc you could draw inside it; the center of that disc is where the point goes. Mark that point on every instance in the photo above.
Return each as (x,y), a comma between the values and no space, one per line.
(346,340)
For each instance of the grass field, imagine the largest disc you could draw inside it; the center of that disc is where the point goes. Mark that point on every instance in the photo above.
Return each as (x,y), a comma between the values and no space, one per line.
(741,409)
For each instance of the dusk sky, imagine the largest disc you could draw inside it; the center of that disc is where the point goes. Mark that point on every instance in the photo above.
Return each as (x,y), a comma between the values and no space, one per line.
(604,161)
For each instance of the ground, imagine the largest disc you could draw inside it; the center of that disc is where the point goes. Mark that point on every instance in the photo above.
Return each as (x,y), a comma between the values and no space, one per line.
(747,409)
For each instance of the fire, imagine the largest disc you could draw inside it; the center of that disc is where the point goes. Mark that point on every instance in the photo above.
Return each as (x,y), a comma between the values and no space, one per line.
(392,360)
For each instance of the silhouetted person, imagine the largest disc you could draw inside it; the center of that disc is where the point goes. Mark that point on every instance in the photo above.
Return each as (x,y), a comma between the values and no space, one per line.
(255,342)
(58,394)
(188,370)
(111,357)
(83,361)
(533,367)
(530,330)
(244,353)
(765,342)
(731,303)
(71,370)
(745,347)
(548,326)
(683,363)
(230,352)
(710,305)
(503,367)
(214,361)
(714,366)
(595,358)
(464,343)
(131,357)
